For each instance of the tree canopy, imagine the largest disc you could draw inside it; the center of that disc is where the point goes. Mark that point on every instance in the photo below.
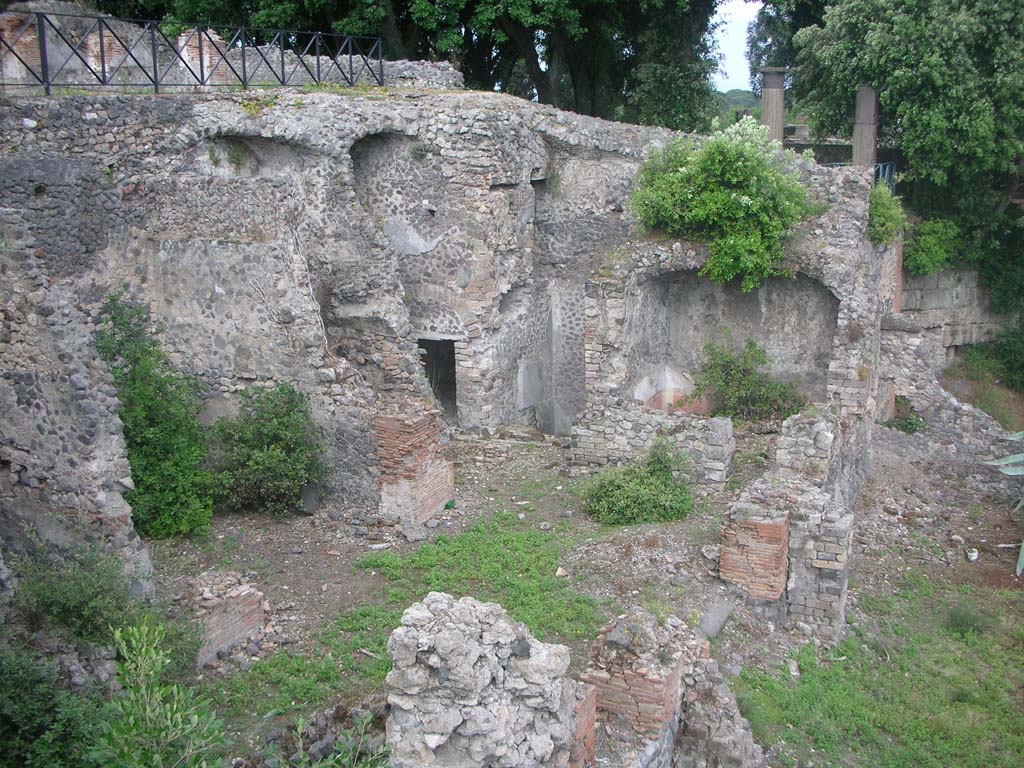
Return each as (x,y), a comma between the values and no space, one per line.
(645,61)
(950,83)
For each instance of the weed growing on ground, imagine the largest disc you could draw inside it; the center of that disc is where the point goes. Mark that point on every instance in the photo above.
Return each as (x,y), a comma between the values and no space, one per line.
(938,689)
(647,491)
(737,387)
(984,377)
(906,418)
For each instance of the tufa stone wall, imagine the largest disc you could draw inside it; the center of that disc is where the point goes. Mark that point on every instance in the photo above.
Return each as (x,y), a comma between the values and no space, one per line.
(620,433)
(469,686)
(953,301)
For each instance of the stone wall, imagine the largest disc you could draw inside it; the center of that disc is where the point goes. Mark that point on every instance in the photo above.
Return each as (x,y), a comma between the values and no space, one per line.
(786,542)
(953,301)
(469,686)
(621,433)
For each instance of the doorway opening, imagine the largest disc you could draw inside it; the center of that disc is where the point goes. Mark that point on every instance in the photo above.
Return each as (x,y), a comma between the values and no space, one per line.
(439,366)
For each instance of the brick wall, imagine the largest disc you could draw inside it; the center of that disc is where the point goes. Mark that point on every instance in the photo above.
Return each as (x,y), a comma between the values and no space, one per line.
(755,543)
(584,740)
(416,481)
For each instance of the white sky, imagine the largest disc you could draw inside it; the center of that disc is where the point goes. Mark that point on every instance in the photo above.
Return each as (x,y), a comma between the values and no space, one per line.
(733,71)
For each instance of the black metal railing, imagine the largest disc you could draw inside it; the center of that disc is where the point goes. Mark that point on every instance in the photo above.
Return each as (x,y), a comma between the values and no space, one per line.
(44,51)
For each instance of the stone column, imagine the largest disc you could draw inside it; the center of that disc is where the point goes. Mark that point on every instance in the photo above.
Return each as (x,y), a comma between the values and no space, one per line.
(773,108)
(865,127)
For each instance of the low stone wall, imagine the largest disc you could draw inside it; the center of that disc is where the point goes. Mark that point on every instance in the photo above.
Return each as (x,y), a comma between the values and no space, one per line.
(621,433)
(416,480)
(230,610)
(470,686)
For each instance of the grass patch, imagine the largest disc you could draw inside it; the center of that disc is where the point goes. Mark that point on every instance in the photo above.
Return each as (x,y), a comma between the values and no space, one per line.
(941,688)
(979,378)
(906,418)
(498,559)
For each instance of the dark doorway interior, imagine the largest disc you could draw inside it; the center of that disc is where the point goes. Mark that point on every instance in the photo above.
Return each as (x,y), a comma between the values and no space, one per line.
(439,362)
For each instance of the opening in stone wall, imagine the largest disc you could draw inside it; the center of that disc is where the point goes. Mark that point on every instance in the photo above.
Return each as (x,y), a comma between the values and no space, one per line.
(439,366)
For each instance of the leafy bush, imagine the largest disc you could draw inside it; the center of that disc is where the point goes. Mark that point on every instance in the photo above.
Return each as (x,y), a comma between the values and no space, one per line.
(86,593)
(735,190)
(42,725)
(886,218)
(269,453)
(933,246)
(738,388)
(906,418)
(154,724)
(1009,350)
(160,409)
(644,492)
(352,749)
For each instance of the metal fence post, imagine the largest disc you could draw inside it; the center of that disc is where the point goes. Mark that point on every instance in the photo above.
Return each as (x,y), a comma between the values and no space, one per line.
(317,40)
(156,64)
(280,42)
(202,75)
(241,37)
(103,55)
(44,64)
(380,60)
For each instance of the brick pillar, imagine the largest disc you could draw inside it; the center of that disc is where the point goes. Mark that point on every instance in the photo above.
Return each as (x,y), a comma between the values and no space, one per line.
(865,127)
(415,478)
(755,543)
(773,107)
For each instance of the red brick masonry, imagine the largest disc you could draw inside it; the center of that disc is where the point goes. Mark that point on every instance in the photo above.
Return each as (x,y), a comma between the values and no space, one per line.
(754,554)
(416,479)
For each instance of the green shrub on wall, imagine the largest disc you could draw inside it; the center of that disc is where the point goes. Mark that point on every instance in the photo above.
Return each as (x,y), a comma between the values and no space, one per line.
(932,246)
(737,387)
(735,191)
(1009,350)
(886,218)
(159,409)
(265,456)
(645,492)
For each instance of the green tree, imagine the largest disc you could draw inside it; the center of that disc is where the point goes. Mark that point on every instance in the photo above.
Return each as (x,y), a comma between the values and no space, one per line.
(951,97)
(770,34)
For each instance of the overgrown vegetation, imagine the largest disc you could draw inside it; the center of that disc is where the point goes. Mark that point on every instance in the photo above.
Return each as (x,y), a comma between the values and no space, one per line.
(982,378)
(160,409)
(886,218)
(648,491)
(733,380)
(933,246)
(906,418)
(42,725)
(86,593)
(962,146)
(736,190)
(499,559)
(153,723)
(939,687)
(262,459)
(265,456)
